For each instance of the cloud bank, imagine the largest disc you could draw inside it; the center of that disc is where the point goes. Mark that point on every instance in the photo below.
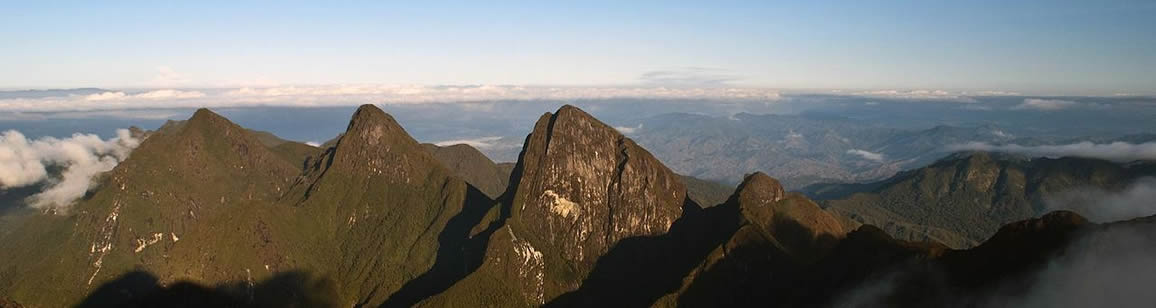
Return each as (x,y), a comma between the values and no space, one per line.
(1115,151)
(1099,205)
(80,158)
(872,156)
(689,76)
(347,95)
(627,130)
(1115,267)
(1044,104)
(480,143)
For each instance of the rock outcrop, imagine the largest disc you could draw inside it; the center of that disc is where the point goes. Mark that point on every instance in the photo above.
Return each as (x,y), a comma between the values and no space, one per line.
(579,188)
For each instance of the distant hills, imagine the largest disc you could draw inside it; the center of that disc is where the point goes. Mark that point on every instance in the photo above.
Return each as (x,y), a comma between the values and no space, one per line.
(963,199)
(798,149)
(207,213)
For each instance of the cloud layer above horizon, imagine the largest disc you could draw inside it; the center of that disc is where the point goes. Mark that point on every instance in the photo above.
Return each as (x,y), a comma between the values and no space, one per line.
(344,95)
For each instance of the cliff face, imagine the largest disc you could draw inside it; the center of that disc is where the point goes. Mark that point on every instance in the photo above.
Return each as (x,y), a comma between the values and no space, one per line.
(579,188)
(583,187)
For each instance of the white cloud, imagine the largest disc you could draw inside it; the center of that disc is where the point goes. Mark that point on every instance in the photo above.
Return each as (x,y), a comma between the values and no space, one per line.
(1001,134)
(167,77)
(1101,205)
(1113,266)
(908,93)
(481,143)
(994,93)
(151,95)
(351,95)
(975,107)
(918,94)
(689,76)
(25,162)
(313,144)
(1115,151)
(872,156)
(627,130)
(1044,104)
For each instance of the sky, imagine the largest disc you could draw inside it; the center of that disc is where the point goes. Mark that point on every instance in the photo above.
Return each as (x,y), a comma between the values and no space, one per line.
(1044,47)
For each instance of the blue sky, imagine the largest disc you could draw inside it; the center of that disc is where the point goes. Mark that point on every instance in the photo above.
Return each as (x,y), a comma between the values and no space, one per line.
(1068,47)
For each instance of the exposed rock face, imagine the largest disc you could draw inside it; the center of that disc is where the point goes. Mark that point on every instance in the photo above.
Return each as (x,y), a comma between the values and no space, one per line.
(579,188)
(764,202)
(584,187)
(761,189)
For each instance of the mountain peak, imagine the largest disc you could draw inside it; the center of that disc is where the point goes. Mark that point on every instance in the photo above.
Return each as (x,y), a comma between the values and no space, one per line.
(581,186)
(204,114)
(375,145)
(763,200)
(371,126)
(205,120)
(368,112)
(762,187)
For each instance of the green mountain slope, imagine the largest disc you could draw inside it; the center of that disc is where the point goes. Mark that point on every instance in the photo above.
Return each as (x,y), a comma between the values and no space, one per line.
(190,203)
(973,194)
(471,165)
(205,202)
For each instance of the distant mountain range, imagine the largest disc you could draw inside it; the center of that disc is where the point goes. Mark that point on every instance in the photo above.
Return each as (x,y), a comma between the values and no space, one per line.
(963,199)
(207,213)
(812,148)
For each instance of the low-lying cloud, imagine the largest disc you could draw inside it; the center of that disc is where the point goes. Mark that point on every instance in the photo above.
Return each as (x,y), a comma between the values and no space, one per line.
(627,130)
(1115,151)
(1100,205)
(1044,104)
(872,156)
(351,95)
(1113,267)
(480,143)
(79,158)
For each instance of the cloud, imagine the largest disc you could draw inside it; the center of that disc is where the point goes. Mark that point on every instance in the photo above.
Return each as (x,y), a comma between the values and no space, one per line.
(81,157)
(627,130)
(689,76)
(872,156)
(481,143)
(313,144)
(917,94)
(1044,104)
(975,107)
(167,77)
(151,95)
(352,95)
(994,93)
(1115,151)
(1109,267)
(1101,205)
(908,93)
